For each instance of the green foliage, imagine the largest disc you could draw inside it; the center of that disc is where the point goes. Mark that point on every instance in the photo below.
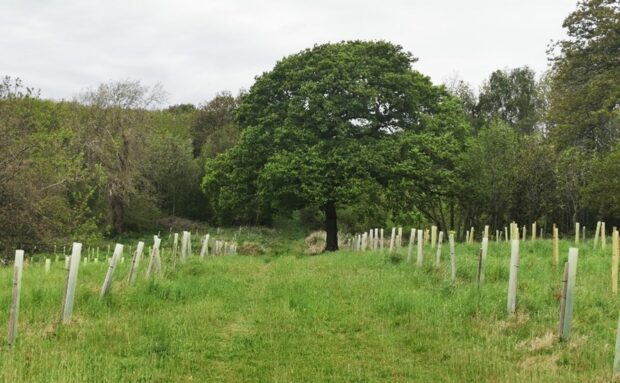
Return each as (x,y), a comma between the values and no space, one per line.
(511,96)
(585,92)
(601,191)
(336,123)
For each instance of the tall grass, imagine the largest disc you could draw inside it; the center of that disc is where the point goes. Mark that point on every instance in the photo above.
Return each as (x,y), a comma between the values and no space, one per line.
(342,317)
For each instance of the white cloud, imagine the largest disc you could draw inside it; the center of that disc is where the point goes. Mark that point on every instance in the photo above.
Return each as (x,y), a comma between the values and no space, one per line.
(197,48)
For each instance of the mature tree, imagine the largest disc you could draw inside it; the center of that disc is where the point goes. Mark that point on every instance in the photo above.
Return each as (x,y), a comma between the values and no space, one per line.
(334,124)
(585,91)
(511,96)
(37,171)
(214,125)
(113,137)
(600,194)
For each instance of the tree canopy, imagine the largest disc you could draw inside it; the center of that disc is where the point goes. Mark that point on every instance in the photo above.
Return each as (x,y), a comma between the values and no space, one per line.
(333,125)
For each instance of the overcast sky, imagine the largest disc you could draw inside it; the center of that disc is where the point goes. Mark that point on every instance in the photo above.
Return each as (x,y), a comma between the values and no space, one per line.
(197,48)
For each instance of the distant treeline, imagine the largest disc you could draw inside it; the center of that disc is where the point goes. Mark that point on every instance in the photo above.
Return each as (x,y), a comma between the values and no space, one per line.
(529,148)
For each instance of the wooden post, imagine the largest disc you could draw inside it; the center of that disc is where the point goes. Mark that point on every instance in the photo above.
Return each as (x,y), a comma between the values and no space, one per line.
(420,259)
(597,233)
(364,241)
(135,263)
(205,246)
(438,255)
(556,248)
(603,236)
(74,265)
(48,264)
(483,260)
(486,231)
(616,368)
(576,233)
(466,236)
(392,239)
(563,300)
(400,237)
(512,280)
(184,246)
(471,235)
(567,312)
(154,262)
(614,261)
(534,231)
(497,236)
(433,236)
(17,286)
(381,239)
(583,234)
(411,240)
(505,233)
(107,282)
(376,240)
(452,256)
(524,233)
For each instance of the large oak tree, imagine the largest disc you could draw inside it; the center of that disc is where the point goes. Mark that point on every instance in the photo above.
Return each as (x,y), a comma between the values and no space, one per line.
(335,125)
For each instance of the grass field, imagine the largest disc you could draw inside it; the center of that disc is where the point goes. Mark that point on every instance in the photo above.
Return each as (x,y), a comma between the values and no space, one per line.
(342,317)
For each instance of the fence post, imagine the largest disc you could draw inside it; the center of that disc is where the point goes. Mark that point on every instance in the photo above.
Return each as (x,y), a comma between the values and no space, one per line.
(482,261)
(411,240)
(420,259)
(512,279)
(452,256)
(17,286)
(438,255)
(107,282)
(566,308)
(135,263)
(74,265)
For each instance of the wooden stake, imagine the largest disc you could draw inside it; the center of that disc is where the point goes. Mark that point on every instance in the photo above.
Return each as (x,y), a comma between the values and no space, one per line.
(135,263)
(534,231)
(482,260)
(603,236)
(567,315)
(420,259)
(506,233)
(512,281)
(597,233)
(616,368)
(392,239)
(381,239)
(438,255)
(154,262)
(452,257)
(400,238)
(107,282)
(486,231)
(556,248)
(205,246)
(74,265)
(411,240)
(433,236)
(48,264)
(17,286)
(576,233)
(614,261)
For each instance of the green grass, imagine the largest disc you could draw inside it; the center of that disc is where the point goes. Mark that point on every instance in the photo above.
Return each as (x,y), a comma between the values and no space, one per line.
(343,317)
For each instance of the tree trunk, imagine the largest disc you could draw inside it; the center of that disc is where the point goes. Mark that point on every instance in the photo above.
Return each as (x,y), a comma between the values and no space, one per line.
(331,226)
